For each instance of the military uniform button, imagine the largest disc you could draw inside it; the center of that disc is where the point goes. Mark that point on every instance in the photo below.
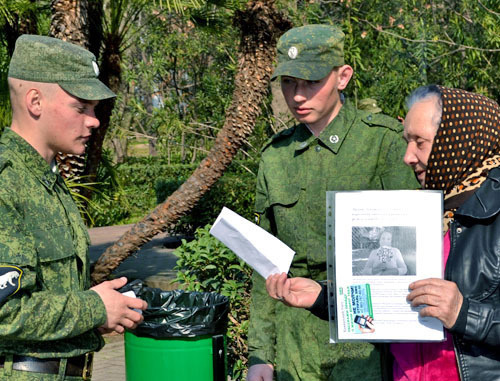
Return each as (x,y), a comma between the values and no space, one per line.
(459,230)
(334,139)
(369,117)
(318,148)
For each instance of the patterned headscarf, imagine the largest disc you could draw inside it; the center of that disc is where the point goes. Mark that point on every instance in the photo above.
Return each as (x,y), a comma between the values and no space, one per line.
(465,148)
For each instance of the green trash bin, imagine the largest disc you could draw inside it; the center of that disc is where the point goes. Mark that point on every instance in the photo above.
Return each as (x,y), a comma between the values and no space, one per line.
(182,337)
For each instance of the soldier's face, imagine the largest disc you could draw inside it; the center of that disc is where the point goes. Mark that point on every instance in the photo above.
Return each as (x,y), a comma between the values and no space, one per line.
(68,122)
(420,130)
(316,103)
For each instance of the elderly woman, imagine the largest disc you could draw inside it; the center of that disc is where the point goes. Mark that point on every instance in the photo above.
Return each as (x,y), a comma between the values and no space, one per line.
(386,260)
(453,146)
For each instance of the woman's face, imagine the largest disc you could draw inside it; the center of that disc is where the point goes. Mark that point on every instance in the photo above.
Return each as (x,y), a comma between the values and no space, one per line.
(420,130)
(386,239)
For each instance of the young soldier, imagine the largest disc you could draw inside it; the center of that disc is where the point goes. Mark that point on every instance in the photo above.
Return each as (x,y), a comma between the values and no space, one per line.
(49,319)
(333,147)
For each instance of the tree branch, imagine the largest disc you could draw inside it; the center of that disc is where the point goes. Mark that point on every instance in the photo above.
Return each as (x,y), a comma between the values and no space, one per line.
(451,43)
(488,10)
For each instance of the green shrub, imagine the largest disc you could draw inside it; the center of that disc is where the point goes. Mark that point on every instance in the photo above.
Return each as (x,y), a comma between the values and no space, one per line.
(207,265)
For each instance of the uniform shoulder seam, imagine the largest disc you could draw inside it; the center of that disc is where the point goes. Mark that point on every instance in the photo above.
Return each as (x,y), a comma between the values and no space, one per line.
(381,120)
(279,136)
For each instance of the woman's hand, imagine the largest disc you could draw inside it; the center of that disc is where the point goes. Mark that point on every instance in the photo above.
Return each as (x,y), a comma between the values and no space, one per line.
(294,292)
(442,298)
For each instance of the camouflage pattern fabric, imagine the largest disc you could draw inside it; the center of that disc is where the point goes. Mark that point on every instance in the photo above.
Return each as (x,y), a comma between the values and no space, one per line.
(310,52)
(53,314)
(46,59)
(357,150)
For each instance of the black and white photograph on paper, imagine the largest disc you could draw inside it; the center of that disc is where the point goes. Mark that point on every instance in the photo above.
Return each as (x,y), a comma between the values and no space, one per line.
(384,250)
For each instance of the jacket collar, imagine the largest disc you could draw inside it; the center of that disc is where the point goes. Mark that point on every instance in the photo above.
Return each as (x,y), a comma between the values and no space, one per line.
(29,157)
(333,135)
(485,202)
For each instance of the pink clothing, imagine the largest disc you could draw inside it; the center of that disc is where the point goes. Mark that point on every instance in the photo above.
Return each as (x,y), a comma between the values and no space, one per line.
(426,361)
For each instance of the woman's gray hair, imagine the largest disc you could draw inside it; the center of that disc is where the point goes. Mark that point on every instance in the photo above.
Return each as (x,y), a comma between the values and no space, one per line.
(424,93)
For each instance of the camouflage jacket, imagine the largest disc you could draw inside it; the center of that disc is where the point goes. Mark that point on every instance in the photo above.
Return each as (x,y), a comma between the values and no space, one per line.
(357,150)
(49,312)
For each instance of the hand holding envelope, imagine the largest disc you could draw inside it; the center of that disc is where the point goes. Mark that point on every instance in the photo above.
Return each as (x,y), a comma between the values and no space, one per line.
(260,250)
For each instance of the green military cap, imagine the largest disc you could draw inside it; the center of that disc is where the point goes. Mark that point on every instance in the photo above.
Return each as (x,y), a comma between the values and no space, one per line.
(50,60)
(310,52)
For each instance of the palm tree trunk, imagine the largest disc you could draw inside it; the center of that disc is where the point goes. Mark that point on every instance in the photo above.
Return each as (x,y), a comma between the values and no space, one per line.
(260,25)
(70,22)
(111,77)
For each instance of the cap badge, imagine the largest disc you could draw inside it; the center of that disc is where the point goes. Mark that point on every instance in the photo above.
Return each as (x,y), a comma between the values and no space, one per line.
(96,68)
(293,52)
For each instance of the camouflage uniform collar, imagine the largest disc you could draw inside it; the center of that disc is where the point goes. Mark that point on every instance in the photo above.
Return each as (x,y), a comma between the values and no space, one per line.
(30,157)
(333,135)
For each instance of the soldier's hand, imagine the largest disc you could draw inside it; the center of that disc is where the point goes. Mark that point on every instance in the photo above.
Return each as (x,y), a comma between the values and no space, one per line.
(119,308)
(260,372)
(294,292)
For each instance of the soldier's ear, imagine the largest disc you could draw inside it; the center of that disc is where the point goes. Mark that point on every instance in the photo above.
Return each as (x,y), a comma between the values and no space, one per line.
(33,102)
(345,73)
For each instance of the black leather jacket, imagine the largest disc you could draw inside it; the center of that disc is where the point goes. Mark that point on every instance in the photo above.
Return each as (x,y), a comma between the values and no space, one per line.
(474,265)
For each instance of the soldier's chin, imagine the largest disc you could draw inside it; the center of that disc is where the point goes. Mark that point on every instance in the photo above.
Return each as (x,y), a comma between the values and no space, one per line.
(77,150)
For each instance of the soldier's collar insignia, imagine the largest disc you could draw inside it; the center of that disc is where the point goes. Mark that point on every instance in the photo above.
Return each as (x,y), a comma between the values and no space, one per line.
(10,281)
(293,52)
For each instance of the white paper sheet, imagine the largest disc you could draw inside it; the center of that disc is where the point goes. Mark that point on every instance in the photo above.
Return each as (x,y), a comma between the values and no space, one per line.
(260,250)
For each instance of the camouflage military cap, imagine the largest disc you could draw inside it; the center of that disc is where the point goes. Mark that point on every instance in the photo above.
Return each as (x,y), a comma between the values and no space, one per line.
(50,60)
(310,52)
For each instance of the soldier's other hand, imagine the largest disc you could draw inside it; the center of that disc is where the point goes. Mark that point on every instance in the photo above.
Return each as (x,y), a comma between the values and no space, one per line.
(119,308)
(294,292)
(260,372)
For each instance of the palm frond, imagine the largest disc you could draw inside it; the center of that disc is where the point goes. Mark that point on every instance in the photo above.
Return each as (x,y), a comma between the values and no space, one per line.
(75,185)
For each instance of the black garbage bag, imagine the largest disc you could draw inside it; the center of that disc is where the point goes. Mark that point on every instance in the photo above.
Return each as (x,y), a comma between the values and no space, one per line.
(179,313)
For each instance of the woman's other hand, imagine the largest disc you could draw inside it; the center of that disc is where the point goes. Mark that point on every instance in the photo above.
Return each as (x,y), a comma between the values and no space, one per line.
(442,298)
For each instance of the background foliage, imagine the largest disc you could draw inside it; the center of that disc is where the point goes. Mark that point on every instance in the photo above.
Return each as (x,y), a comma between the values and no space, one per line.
(125,191)
(179,61)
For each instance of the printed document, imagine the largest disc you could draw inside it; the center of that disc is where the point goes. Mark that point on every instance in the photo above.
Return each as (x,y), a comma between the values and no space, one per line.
(378,242)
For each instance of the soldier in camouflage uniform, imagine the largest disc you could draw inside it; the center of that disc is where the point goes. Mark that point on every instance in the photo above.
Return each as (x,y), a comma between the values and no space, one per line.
(334,147)
(50,321)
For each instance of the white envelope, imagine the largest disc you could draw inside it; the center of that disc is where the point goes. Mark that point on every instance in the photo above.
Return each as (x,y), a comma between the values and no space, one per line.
(260,250)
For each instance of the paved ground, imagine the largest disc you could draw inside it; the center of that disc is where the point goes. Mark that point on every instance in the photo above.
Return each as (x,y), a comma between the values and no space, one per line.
(109,362)
(153,264)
